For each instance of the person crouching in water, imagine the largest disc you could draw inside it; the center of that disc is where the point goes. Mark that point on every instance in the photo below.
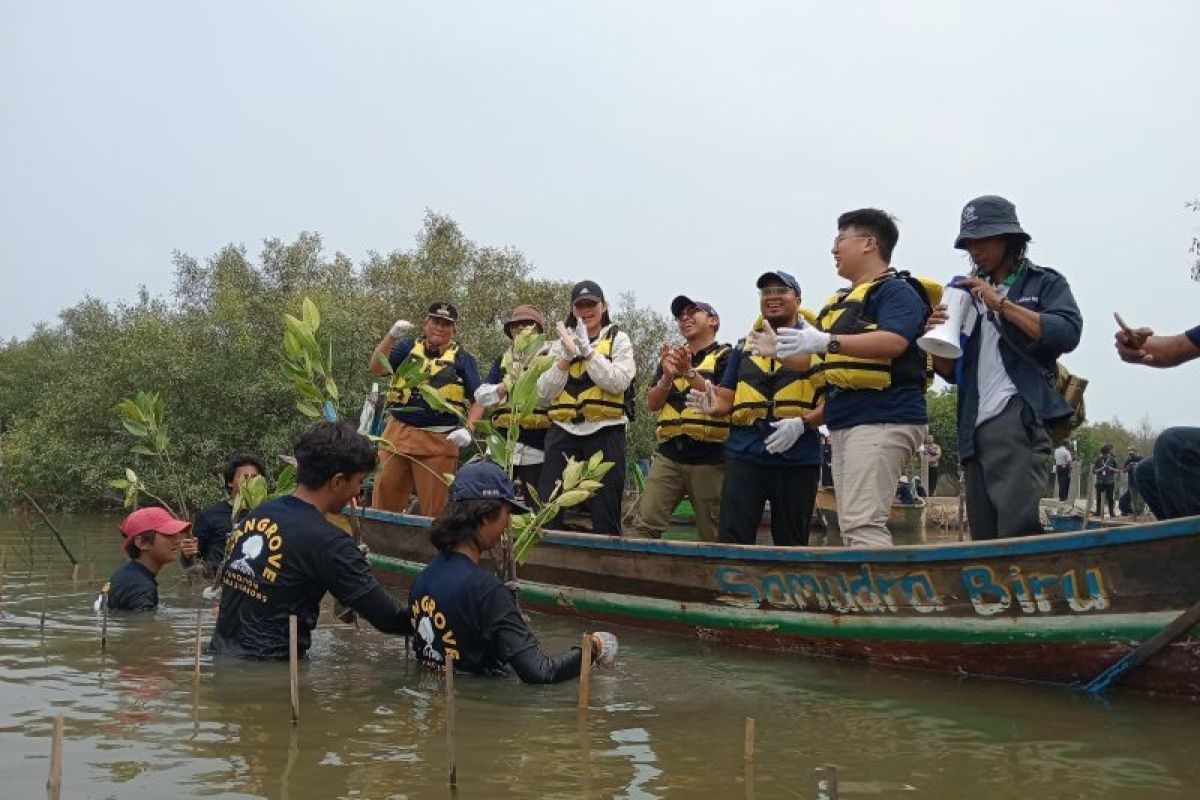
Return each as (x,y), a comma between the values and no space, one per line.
(152,540)
(283,556)
(462,610)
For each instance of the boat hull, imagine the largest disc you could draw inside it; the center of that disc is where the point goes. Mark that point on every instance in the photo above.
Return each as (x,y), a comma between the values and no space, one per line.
(1058,608)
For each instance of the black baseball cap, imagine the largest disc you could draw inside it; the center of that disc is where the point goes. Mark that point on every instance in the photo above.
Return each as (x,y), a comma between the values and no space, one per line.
(586,290)
(682,303)
(485,480)
(443,311)
(788,280)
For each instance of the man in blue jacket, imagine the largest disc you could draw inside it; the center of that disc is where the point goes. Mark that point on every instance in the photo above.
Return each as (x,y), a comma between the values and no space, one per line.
(1007,374)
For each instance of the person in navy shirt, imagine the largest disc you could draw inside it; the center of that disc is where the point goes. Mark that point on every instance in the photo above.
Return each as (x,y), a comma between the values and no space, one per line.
(152,540)
(462,610)
(214,522)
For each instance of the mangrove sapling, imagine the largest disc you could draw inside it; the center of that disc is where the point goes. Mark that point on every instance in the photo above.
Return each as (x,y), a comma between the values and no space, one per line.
(143,417)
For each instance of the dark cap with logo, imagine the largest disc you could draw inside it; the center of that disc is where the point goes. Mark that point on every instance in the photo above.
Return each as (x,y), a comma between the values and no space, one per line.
(443,311)
(586,290)
(786,277)
(989,215)
(682,303)
(485,480)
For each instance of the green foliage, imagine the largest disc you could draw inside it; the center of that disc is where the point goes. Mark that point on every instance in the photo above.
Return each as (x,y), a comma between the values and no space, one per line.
(307,366)
(580,480)
(943,426)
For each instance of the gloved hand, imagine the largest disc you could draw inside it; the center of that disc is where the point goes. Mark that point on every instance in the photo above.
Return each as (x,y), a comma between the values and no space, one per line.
(763,343)
(566,341)
(460,436)
(604,648)
(801,341)
(787,431)
(703,400)
(490,394)
(399,328)
(581,340)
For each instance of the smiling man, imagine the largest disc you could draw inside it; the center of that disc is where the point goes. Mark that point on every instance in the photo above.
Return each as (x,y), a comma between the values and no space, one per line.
(423,443)
(690,460)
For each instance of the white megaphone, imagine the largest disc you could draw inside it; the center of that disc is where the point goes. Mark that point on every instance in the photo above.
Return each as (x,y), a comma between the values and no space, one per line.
(943,341)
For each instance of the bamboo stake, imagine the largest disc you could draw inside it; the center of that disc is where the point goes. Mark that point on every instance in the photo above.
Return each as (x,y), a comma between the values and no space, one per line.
(294,666)
(827,783)
(104,619)
(54,781)
(199,620)
(748,745)
(585,671)
(451,754)
(42,619)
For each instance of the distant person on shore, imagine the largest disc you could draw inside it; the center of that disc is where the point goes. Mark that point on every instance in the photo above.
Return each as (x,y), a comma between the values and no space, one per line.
(1006,376)
(1105,471)
(932,451)
(214,522)
(1169,480)
(152,540)
(1063,461)
(462,609)
(284,556)
(1132,459)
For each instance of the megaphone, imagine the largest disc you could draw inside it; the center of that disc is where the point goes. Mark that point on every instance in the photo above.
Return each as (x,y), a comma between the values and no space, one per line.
(943,341)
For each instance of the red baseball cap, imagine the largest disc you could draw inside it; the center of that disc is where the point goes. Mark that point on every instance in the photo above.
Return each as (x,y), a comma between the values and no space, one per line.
(152,519)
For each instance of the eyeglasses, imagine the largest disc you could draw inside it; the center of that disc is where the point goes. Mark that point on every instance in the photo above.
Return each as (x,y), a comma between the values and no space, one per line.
(774,291)
(843,237)
(687,312)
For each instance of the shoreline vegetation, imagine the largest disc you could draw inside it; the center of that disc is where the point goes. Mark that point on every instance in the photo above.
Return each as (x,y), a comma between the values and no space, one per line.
(211,349)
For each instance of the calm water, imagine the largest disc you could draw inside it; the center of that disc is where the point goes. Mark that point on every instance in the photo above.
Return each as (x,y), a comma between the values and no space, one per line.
(668,722)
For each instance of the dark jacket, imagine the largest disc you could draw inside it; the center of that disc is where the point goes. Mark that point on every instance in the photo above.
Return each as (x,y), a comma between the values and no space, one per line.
(1034,374)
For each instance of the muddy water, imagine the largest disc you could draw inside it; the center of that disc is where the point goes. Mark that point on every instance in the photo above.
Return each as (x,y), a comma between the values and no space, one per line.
(667,722)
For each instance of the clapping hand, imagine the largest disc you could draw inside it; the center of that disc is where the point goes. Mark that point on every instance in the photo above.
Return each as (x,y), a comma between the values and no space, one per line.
(703,400)
(763,342)
(582,345)
(566,341)
(668,361)
(800,341)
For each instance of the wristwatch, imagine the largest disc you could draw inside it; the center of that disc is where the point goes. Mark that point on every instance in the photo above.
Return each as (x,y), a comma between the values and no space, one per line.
(834,345)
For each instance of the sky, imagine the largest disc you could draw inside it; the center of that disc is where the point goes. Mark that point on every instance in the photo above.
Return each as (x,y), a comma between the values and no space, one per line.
(656,147)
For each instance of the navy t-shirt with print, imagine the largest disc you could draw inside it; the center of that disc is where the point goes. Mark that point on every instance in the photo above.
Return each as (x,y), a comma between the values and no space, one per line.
(461,608)
(896,307)
(747,443)
(419,414)
(132,587)
(284,556)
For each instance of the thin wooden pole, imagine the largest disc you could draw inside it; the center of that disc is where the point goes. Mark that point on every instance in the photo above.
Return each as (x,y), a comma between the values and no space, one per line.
(451,752)
(54,530)
(748,744)
(199,623)
(54,781)
(585,671)
(45,602)
(294,666)
(104,619)
(827,783)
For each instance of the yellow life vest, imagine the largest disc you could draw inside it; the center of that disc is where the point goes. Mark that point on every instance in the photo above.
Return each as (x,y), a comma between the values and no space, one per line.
(768,390)
(537,419)
(581,400)
(845,313)
(442,376)
(676,419)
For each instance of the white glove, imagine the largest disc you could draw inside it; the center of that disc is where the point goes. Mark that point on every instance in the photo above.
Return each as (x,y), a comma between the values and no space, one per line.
(566,342)
(787,431)
(460,436)
(703,400)
(608,648)
(801,341)
(581,340)
(399,328)
(763,343)
(489,394)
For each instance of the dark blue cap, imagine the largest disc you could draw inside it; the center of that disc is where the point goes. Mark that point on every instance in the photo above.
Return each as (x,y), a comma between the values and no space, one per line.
(787,278)
(989,215)
(485,480)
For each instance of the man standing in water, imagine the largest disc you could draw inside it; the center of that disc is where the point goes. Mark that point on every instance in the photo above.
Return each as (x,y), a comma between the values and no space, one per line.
(214,522)
(152,540)
(284,556)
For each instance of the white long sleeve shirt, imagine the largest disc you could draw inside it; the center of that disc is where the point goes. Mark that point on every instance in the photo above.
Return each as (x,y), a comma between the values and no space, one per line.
(612,374)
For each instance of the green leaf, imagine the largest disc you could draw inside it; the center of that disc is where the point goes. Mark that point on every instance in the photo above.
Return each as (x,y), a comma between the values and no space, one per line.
(573,472)
(435,400)
(119,483)
(131,476)
(135,428)
(131,411)
(312,317)
(291,345)
(594,461)
(572,498)
(331,388)
(308,409)
(143,450)
(306,388)
(602,470)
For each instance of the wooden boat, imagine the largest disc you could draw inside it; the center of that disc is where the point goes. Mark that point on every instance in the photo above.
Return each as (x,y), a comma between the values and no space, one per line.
(1056,608)
(906,521)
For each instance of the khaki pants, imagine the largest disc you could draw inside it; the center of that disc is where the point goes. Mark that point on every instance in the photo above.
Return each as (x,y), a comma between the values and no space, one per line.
(668,483)
(867,463)
(399,476)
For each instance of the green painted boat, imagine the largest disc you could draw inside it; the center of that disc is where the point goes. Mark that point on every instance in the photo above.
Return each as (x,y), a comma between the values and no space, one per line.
(1057,608)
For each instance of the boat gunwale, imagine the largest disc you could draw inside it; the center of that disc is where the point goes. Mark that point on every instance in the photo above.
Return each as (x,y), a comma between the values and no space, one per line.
(906,554)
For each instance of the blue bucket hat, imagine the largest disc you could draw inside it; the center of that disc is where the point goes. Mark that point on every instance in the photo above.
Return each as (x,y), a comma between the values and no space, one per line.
(989,215)
(485,480)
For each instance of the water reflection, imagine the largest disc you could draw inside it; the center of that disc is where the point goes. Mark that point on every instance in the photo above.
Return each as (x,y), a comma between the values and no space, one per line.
(667,723)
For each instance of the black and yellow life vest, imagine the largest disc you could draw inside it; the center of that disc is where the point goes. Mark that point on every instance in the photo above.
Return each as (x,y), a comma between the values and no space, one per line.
(537,419)
(845,313)
(442,376)
(581,400)
(768,390)
(676,419)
